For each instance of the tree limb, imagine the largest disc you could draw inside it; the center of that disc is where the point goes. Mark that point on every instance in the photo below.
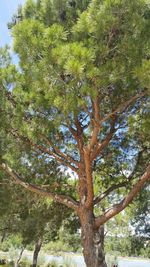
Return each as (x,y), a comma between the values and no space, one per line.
(105,142)
(96,124)
(60,153)
(66,200)
(126,201)
(122,107)
(89,179)
(108,191)
(136,165)
(123,184)
(79,138)
(53,154)
(45,150)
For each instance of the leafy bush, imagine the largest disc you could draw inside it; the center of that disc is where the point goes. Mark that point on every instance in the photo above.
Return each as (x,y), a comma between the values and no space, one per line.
(25,261)
(53,264)
(66,263)
(12,241)
(57,246)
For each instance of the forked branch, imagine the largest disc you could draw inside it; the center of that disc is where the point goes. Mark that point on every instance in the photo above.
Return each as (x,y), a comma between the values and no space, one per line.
(53,154)
(100,146)
(65,161)
(119,185)
(58,152)
(126,201)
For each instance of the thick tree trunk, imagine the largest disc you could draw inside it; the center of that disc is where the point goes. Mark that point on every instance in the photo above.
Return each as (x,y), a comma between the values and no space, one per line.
(38,245)
(92,242)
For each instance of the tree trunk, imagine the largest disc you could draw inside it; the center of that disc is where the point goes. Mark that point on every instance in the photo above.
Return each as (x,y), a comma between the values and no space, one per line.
(3,236)
(92,242)
(19,258)
(38,245)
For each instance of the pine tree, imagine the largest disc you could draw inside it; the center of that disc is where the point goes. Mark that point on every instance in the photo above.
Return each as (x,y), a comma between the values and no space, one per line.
(80,97)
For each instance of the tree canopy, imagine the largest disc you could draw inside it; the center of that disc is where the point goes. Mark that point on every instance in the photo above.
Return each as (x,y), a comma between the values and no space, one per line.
(80,96)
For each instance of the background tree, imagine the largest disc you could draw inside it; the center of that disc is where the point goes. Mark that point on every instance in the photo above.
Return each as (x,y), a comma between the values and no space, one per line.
(26,215)
(140,243)
(122,237)
(84,77)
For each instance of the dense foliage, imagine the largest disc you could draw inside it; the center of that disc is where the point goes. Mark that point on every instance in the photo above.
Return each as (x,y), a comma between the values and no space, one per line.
(79,97)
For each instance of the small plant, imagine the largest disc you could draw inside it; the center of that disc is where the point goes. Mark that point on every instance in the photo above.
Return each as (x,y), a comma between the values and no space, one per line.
(25,262)
(68,262)
(56,247)
(53,264)
(111,260)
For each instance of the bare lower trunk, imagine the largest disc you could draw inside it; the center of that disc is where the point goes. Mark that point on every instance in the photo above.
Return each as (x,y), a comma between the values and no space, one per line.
(19,258)
(3,236)
(38,245)
(93,244)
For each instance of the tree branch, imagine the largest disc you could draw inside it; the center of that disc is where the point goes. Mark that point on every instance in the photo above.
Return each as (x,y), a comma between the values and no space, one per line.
(126,201)
(53,154)
(77,134)
(136,165)
(66,200)
(106,141)
(122,107)
(89,178)
(108,191)
(123,184)
(96,124)
(79,138)
(61,154)
(45,150)
(57,154)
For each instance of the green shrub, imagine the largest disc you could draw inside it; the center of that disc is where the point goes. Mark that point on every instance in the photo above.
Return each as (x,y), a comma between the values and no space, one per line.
(25,262)
(57,247)
(53,264)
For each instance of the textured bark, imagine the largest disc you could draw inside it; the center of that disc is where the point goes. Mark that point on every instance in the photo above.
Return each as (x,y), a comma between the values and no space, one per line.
(92,241)
(38,245)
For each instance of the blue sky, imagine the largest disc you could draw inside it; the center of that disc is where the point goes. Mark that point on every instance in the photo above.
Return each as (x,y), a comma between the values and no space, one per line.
(7,9)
